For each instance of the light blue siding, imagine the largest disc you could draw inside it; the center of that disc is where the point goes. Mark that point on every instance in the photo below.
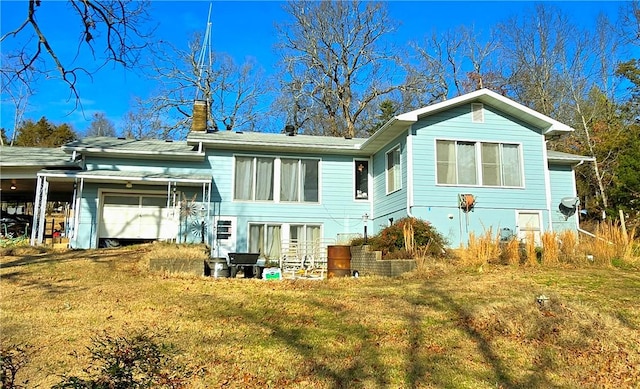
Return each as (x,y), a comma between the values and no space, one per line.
(88,213)
(337,211)
(562,179)
(392,205)
(495,206)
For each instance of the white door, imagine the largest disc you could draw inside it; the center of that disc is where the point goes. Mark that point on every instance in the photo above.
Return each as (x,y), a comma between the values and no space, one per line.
(137,217)
(224,235)
(529,224)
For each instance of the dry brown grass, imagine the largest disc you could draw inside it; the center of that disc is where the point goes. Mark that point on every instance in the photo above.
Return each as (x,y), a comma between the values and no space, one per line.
(482,330)
(172,250)
(550,249)
(510,253)
(611,246)
(569,252)
(481,250)
(530,252)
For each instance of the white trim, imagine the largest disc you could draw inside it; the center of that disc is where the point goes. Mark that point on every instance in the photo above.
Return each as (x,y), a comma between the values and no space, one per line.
(277,170)
(478,161)
(386,169)
(410,194)
(369,180)
(504,104)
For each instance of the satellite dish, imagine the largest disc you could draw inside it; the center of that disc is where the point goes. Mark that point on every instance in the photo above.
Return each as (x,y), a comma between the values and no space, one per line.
(568,206)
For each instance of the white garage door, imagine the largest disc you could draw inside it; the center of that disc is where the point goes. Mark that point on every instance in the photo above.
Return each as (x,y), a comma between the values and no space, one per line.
(137,217)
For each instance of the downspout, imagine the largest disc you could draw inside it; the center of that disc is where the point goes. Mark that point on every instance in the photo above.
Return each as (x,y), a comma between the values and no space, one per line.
(576,193)
(409,172)
(547,182)
(209,219)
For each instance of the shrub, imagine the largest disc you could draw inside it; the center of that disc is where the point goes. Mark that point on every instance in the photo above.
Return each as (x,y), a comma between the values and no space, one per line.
(404,237)
(12,359)
(134,361)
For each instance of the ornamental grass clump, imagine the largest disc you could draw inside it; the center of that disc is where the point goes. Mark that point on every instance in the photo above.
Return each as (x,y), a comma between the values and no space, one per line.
(550,249)
(481,250)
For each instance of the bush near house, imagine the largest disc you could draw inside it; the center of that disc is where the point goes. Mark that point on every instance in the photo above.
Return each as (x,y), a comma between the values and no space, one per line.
(406,239)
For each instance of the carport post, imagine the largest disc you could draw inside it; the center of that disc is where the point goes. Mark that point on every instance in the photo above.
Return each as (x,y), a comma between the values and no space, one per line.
(39,211)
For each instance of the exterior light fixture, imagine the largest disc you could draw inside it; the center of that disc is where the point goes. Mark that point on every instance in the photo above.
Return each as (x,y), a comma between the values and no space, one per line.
(365,220)
(13,186)
(128,185)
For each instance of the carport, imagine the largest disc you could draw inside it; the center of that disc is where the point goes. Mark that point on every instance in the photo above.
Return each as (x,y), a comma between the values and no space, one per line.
(126,205)
(19,167)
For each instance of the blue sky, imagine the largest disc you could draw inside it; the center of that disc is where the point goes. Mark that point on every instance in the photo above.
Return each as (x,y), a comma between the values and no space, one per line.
(241,29)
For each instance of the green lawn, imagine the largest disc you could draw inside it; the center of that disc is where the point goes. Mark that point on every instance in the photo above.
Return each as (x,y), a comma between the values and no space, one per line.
(444,328)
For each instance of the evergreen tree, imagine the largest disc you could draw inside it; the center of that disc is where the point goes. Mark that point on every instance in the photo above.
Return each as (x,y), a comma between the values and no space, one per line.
(44,134)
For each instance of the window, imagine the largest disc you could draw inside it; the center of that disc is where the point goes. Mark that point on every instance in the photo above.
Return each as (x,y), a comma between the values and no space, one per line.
(253,179)
(393,170)
(361,179)
(299,180)
(478,163)
(265,239)
(302,233)
(256,177)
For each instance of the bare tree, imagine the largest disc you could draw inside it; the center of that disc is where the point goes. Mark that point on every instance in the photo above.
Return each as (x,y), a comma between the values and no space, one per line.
(142,123)
(232,91)
(18,92)
(533,49)
(458,58)
(335,65)
(101,126)
(564,72)
(116,28)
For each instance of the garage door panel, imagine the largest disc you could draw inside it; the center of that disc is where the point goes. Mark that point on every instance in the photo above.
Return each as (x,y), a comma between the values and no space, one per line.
(137,217)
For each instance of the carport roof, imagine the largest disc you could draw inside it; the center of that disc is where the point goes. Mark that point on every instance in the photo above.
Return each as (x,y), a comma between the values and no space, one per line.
(34,156)
(134,148)
(123,176)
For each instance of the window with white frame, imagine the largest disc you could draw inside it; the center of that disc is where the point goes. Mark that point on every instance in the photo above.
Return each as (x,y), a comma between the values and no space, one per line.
(361,179)
(256,177)
(394,173)
(304,233)
(478,163)
(266,240)
(299,180)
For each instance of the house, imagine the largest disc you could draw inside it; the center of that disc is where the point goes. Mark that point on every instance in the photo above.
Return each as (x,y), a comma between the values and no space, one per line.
(471,163)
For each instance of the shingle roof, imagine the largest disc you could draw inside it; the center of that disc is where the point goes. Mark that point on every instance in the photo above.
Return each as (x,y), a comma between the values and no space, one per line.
(16,156)
(277,142)
(134,148)
(560,157)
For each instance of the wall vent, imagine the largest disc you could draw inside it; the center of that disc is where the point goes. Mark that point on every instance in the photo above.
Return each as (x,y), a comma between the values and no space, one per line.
(477,113)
